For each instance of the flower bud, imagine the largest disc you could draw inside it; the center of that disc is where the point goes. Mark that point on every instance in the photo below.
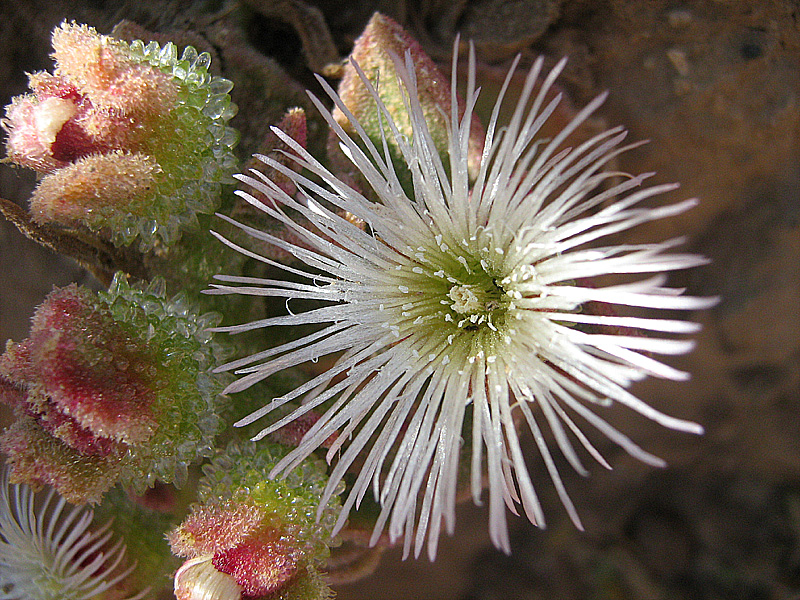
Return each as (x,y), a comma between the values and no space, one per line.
(379,52)
(107,387)
(133,140)
(263,535)
(292,124)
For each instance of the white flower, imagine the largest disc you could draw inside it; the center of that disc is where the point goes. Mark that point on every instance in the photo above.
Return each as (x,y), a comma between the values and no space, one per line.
(461,313)
(48,553)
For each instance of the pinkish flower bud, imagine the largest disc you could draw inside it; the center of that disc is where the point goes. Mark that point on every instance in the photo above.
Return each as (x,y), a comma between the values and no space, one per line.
(39,458)
(98,182)
(85,382)
(95,374)
(32,129)
(263,564)
(104,69)
(239,539)
(210,528)
(133,138)
(293,124)
(292,433)
(263,535)
(109,386)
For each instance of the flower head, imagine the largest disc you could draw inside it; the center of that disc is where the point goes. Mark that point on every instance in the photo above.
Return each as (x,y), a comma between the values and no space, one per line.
(49,553)
(462,310)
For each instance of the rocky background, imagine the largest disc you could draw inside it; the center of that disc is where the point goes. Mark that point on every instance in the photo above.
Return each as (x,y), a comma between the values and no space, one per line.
(715,86)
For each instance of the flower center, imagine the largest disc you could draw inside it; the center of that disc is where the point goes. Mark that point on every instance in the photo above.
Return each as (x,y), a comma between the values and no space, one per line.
(474,299)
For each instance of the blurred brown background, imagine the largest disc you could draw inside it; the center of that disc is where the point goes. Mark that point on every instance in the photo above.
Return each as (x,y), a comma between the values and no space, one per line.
(715,87)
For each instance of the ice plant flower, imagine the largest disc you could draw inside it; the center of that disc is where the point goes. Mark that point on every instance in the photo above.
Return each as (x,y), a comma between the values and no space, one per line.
(463,311)
(49,552)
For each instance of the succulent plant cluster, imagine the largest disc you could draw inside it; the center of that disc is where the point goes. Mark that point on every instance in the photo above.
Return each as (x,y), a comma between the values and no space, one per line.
(419,282)
(114,393)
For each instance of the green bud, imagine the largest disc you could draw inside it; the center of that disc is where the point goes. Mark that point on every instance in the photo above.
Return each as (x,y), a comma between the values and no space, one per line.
(377,52)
